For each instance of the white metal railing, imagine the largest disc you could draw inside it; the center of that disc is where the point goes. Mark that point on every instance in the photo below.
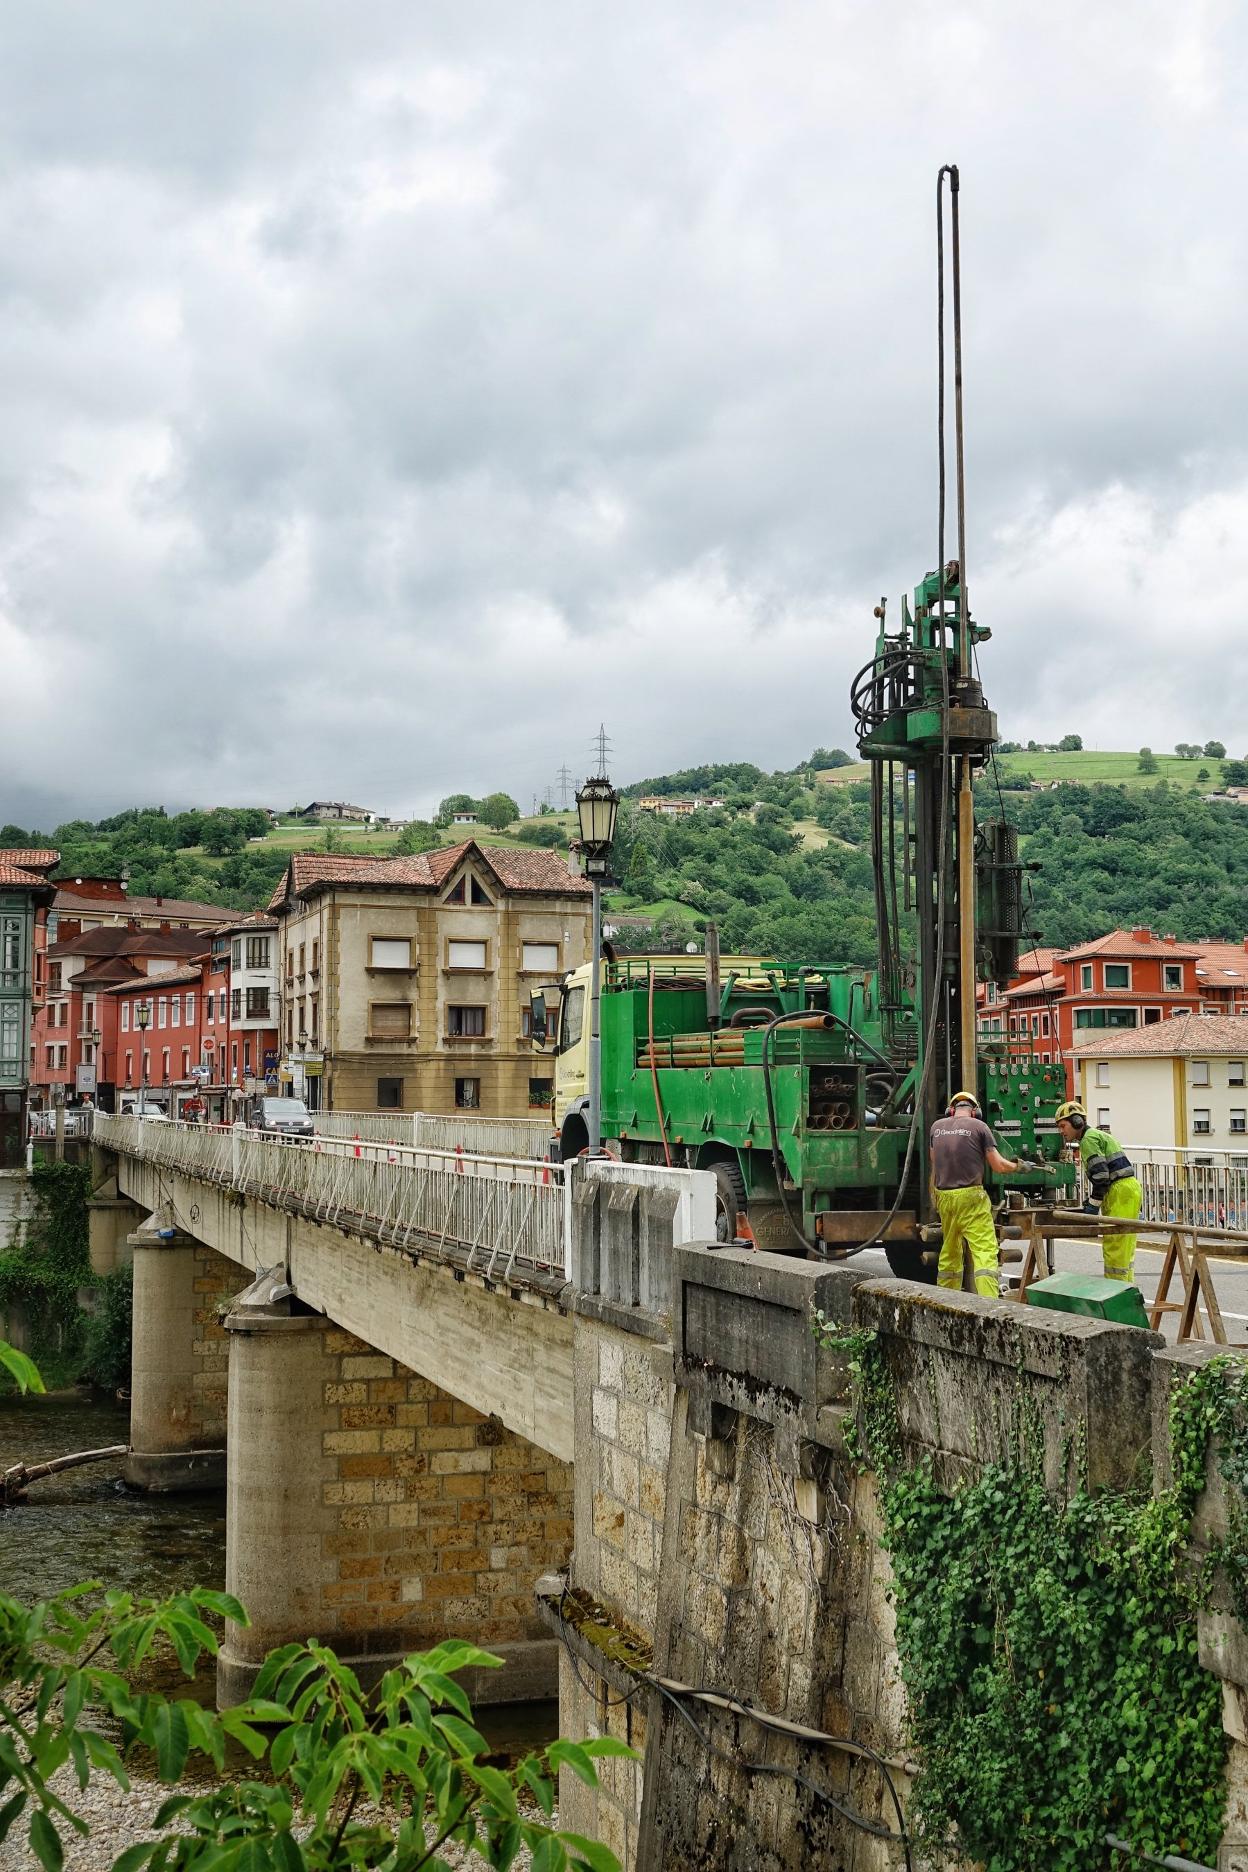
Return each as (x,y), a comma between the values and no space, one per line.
(78,1122)
(507,1213)
(1200,1188)
(488,1137)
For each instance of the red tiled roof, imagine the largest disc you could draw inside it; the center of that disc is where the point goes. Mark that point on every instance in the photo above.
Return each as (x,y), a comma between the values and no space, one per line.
(14,874)
(1123,943)
(1037,961)
(1047,985)
(1219,1035)
(1223,965)
(114,939)
(176,978)
(30,857)
(142,906)
(540,871)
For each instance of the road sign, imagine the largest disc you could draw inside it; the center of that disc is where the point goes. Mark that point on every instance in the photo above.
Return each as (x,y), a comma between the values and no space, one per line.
(84,1079)
(272,1083)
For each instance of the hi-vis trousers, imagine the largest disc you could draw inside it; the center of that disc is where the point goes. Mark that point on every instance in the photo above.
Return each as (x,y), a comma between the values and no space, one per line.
(1123,1198)
(966,1217)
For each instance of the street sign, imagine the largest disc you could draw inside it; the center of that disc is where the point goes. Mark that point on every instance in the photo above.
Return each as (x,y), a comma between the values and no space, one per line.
(272,1083)
(84,1079)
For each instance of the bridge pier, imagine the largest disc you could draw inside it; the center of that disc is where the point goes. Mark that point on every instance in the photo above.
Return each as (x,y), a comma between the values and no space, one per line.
(372,1511)
(178,1361)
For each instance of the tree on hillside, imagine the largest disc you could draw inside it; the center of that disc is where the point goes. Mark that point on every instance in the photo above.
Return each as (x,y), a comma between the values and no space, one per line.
(418,835)
(222,834)
(453,803)
(498,810)
(1214,750)
(1187,750)
(1147,762)
(1235,773)
(1203,774)
(1070,744)
(830,757)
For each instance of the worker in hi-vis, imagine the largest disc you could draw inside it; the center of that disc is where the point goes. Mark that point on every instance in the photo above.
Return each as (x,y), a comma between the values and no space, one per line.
(1112,1183)
(961,1148)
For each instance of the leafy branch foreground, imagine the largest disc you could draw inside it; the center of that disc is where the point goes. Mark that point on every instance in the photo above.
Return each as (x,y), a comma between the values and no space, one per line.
(382,1780)
(408,1750)
(1049,1648)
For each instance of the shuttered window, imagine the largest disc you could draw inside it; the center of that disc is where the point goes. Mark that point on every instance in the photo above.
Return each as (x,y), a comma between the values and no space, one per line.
(391,1020)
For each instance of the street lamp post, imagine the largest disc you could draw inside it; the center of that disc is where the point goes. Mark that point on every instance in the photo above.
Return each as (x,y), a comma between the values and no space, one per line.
(597,805)
(97,1039)
(143,1015)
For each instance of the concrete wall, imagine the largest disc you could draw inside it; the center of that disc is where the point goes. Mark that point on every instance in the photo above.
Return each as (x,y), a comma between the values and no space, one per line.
(773,1586)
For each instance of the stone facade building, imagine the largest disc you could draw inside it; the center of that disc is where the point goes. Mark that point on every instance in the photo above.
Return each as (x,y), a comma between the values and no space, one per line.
(410,977)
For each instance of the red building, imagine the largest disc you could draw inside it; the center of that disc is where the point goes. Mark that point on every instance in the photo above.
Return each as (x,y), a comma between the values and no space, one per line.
(1129,978)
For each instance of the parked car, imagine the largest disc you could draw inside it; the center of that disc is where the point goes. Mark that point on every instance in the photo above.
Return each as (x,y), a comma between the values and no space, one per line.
(281,1117)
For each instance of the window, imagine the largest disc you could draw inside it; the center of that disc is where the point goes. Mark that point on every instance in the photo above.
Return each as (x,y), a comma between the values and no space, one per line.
(991,995)
(129,1065)
(467,1094)
(162,1011)
(1102,1117)
(125,1017)
(391,952)
(302,970)
(234,1059)
(236,953)
(258,952)
(1085,977)
(465,955)
(54,977)
(389,1095)
(316,959)
(1104,1017)
(1200,1072)
(1102,1072)
(210,1008)
(390,1020)
(186,1062)
(1172,977)
(50,1057)
(147,1060)
(543,957)
(190,1010)
(1239,1120)
(257,1004)
(221,1006)
(466,1022)
(572,1018)
(541,1091)
(1234,1072)
(290,965)
(314,1017)
(175,1011)
(467,890)
(1044,1025)
(1200,1121)
(1045,1058)
(1014,1024)
(1151,1016)
(164,1064)
(1035,1026)
(236,1004)
(1117,974)
(246,1056)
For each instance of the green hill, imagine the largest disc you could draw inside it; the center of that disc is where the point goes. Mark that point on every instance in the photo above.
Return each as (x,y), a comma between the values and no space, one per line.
(1091,767)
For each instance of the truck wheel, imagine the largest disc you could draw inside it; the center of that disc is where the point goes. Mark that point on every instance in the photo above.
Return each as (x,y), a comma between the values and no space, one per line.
(905,1259)
(729,1199)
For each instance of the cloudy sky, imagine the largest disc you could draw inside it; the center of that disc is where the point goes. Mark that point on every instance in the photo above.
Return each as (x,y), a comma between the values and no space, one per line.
(393,391)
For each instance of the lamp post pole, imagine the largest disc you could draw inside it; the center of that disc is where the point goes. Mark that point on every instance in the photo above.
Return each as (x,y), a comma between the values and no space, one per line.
(143,1014)
(597,805)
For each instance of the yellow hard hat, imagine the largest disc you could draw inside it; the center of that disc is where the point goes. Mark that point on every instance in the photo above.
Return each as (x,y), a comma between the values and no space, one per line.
(1072,1109)
(962,1098)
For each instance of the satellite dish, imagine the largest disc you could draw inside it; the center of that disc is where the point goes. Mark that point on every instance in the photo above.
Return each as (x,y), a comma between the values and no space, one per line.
(692,948)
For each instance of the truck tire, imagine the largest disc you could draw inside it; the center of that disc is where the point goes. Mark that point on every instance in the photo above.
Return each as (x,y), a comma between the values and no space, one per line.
(729,1199)
(905,1259)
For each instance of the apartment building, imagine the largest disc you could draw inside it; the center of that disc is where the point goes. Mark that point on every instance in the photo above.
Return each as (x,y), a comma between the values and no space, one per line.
(406,980)
(25,895)
(1181,1083)
(83,903)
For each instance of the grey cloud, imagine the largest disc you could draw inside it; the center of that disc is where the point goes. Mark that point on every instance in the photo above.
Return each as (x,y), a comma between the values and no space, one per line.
(404,390)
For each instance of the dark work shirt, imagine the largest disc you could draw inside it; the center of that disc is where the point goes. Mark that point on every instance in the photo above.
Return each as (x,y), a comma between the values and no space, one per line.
(960,1147)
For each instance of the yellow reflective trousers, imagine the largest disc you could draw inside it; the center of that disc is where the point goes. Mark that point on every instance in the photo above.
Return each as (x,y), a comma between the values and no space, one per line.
(1123,1198)
(966,1217)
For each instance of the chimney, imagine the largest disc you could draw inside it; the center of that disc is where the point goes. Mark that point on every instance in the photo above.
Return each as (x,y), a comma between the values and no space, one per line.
(1168,937)
(159,901)
(1141,935)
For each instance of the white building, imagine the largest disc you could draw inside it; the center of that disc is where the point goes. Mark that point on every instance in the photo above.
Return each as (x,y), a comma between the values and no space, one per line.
(1180,1084)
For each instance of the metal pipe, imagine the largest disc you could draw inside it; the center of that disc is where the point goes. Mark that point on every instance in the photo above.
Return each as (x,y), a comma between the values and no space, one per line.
(712,976)
(1171,1860)
(969,1068)
(964,635)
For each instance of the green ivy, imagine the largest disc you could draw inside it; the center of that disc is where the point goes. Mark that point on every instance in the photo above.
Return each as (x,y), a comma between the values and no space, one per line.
(44,1269)
(1049,1649)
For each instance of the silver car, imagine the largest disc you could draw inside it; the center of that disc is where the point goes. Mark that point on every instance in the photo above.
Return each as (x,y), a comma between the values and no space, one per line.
(281,1117)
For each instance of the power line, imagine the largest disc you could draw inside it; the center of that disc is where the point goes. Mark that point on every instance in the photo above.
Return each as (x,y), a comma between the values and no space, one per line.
(563,780)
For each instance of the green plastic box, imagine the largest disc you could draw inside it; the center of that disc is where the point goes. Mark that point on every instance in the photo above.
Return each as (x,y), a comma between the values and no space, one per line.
(1091,1294)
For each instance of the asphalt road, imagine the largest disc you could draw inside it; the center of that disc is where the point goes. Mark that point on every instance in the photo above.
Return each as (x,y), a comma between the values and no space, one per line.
(1074,1257)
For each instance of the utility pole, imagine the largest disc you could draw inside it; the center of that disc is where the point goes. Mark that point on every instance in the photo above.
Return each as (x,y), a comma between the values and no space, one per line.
(563,780)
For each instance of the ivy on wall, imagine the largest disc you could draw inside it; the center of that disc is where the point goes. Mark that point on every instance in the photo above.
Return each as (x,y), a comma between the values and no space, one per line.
(1049,1648)
(45,1270)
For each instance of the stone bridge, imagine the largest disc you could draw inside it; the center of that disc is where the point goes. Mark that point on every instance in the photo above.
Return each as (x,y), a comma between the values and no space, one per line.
(460,1395)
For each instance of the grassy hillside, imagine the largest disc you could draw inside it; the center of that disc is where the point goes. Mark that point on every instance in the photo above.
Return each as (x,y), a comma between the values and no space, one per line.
(1089,768)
